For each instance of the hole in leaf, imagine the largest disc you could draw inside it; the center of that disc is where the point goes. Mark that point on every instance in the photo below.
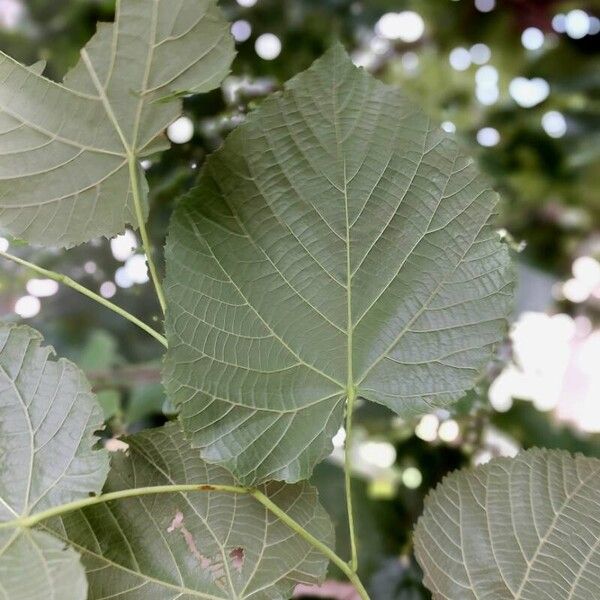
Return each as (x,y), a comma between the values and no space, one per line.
(116,445)
(237,558)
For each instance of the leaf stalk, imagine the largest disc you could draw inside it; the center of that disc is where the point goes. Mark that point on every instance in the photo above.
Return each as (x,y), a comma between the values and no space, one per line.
(68,281)
(139,213)
(313,541)
(348,477)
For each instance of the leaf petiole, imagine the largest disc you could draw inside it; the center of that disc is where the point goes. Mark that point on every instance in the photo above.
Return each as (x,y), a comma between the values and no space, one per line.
(311,539)
(68,281)
(137,202)
(348,477)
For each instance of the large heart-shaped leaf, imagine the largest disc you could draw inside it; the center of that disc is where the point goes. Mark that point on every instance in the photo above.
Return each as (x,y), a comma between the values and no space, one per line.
(337,244)
(515,529)
(205,544)
(64,149)
(48,417)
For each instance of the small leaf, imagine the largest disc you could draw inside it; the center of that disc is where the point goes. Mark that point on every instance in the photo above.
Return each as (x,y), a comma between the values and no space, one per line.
(48,417)
(200,544)
(64,149)
(337,242)
(37,566)
(526,528)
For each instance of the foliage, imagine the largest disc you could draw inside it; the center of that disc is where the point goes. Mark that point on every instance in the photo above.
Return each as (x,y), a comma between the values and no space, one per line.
(514,528)
(48,416)
(338,248)
(58,134)
(314,197)
(205,544)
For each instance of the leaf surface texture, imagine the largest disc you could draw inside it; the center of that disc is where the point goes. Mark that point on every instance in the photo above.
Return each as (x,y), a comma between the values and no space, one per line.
(337,241)
(64,175)
(204,544)
(48,416)
(526,528)
(37,566)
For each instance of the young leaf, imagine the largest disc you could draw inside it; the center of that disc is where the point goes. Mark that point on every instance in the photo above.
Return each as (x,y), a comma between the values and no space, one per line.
(48,417)
(337,244)
(37,566)
(514,529)
(65,149)
(205,544)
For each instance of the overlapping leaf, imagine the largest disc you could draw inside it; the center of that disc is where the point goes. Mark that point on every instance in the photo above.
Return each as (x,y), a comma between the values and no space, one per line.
(64,175)
(337,241)
(515,529)
(48,417)
(196,545)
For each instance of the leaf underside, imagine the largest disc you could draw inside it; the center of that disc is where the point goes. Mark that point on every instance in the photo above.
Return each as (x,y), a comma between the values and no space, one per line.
(338,240)
(197,545)
(48,416)
(64,176)
(526,528)
(37,566)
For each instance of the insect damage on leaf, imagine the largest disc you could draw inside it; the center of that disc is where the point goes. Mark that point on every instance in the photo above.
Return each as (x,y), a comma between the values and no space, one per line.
(237,558)
(211,565)
(205,542)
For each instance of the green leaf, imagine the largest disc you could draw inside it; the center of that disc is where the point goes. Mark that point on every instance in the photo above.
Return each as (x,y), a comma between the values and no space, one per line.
(196,545)
(37,566)
(514,529)
(64,149)
(338,243)
(48,417)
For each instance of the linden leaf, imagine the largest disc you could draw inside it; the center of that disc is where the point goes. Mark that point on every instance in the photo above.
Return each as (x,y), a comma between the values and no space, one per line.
(204,544)
(337,243)
(65,149)
(526,528)
(48,417)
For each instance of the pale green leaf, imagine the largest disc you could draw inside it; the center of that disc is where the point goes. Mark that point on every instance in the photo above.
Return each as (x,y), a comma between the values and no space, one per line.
(64,149)
(48,417)
(37,566)
(526,528)
(337,241)
(203,544)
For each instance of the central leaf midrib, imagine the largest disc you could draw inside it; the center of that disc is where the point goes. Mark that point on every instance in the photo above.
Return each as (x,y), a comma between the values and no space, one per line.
(129,147)
(349,388)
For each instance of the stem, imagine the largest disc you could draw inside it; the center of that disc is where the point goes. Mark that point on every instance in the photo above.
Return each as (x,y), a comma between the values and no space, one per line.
(348,477)
(64,279)
(139,213)
(313,541)
(33,520)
